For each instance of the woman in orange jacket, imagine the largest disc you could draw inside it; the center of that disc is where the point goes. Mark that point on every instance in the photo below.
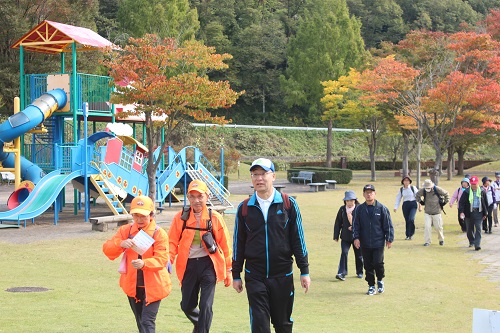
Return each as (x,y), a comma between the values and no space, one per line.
(144,277)
(201,261)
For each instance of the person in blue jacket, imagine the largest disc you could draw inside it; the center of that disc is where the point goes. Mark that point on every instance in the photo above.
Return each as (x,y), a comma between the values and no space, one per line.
(372,230)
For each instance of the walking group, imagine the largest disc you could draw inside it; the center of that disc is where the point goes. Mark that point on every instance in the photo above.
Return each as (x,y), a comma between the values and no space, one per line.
(368,227)
(268,237)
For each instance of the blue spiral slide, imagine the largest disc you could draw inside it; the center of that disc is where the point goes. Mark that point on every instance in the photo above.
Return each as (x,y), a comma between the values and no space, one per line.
(47,188)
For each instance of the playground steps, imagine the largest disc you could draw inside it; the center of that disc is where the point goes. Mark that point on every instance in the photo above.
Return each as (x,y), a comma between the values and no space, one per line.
(106,192)
(218,193)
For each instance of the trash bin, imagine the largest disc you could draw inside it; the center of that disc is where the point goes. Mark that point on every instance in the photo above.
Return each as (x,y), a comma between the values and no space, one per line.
(343,162)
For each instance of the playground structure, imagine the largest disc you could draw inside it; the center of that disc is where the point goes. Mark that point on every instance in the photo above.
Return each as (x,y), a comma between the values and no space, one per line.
(101,164)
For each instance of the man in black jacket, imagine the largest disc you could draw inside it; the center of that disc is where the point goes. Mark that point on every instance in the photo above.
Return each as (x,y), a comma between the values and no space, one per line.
(267,233)
(473,208)
(372,230)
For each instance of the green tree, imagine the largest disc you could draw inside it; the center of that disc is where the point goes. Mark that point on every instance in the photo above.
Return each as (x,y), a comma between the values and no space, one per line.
(327,44)
(165,18)
(381,21)
(443,15)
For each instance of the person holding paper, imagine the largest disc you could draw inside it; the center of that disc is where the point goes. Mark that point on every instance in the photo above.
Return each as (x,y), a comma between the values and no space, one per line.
(199,240)
(144,276)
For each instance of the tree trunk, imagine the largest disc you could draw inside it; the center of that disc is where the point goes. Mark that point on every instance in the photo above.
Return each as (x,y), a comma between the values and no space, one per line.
(329,144)
(406,143)
(373,148)
(460,161)
(451,167)
(438,163)
(419,151)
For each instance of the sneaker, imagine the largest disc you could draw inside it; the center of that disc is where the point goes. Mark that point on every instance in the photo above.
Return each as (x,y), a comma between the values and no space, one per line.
(478,248)
(410,238)
(471,245)
(340,277)
(360,275)
(427,244)
(380,285)
(407,238)
(441,243)
(371,291)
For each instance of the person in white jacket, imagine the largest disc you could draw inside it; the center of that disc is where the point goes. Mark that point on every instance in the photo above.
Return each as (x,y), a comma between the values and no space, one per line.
(407,194)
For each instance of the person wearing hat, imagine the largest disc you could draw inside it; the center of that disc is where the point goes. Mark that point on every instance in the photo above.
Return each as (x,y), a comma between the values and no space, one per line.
(433,198)
(268,235)
(407,193)
(473,208)
(372,231)
(464,184)
(144,277)
(496,186)
(490,196)
(199,261)
(343,228)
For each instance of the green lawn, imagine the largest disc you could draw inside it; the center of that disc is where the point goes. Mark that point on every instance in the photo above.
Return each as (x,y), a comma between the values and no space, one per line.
(430,289)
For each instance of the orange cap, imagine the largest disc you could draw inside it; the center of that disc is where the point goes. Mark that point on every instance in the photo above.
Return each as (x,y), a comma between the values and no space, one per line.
(198,186)
(142,205)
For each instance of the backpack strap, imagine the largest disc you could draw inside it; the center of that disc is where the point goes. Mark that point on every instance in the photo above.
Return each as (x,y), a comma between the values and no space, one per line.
(185,216)
(286,204)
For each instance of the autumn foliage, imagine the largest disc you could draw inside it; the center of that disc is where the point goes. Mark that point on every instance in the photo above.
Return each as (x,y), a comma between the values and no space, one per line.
(168,84)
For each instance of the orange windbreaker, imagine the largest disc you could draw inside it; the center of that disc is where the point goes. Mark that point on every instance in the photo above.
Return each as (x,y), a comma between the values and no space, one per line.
(156,277)
(180,242)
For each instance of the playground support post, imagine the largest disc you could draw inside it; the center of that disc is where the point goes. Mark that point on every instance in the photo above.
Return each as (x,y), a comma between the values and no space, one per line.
(17,147)
(86,161)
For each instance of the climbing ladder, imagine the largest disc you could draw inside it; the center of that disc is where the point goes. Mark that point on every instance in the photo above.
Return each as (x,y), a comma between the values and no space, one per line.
(218,193)
(106,191)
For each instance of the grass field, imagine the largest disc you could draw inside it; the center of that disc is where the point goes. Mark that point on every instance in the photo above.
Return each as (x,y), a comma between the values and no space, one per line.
(428,289)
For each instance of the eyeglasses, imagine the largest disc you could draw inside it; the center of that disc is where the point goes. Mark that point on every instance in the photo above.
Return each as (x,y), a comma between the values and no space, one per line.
(258,175)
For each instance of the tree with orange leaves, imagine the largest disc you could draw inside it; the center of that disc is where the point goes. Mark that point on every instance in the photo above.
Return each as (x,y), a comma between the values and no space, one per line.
(343,98)
(443,78)
(168,85)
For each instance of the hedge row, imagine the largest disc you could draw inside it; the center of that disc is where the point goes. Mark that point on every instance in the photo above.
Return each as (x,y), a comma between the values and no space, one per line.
(383,165)
(342,176)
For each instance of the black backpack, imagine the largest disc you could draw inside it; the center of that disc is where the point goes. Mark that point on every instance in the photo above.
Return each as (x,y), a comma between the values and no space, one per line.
(442,201)
(208,237)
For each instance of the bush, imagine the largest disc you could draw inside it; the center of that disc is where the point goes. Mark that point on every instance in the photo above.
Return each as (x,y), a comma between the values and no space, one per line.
(342,176)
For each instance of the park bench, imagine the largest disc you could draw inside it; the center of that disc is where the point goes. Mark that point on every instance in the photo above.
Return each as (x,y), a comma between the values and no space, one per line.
(332,184)
(303,175)
(101,223)
(8,177)
(315,187)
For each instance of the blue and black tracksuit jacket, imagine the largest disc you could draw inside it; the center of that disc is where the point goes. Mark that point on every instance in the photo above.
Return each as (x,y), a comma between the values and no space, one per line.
(266,247)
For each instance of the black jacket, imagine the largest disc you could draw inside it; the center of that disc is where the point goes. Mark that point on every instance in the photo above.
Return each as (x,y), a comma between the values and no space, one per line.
(341,226)
(267,248)
(372,230)
(464,204)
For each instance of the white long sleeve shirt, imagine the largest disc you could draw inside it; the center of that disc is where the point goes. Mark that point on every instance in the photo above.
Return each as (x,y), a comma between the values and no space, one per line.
(408,195)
